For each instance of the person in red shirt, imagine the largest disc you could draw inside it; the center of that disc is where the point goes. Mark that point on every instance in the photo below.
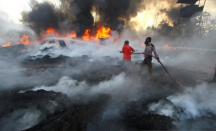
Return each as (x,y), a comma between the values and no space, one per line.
(127,50)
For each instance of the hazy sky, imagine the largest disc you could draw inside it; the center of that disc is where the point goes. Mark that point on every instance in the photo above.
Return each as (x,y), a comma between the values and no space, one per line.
(13,8)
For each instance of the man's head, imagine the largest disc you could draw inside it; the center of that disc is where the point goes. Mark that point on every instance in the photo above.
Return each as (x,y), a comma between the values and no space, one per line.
(126,42)
(148,39)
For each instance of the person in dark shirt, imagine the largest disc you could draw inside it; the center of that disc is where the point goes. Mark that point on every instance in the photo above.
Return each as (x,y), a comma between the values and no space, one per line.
(149,48)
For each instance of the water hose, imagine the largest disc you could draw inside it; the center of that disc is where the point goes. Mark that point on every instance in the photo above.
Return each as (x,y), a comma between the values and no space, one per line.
(162,66)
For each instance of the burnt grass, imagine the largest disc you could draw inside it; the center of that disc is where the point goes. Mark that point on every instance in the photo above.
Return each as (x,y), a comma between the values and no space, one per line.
(61,113)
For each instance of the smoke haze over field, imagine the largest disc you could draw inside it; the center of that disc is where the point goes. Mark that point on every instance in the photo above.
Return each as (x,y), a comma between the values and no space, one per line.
(78,69)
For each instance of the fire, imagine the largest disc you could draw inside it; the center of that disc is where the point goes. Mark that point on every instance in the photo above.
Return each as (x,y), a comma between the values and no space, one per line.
(72,35)
(174,48)
(6,45)
(86,35)
(166,47)
(24,39)
(103,32)
(152,17)
(50,30)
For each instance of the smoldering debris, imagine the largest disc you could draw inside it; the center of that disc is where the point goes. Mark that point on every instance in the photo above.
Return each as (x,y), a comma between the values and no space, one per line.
(189,108)
(124,98)
(20,111)
(85,87)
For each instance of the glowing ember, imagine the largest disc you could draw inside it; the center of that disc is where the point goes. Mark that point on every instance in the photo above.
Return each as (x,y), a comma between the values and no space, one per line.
(103,32)
(166,47)
(6,45)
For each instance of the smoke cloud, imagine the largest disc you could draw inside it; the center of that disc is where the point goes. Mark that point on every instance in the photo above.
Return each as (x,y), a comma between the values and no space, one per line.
(193,103)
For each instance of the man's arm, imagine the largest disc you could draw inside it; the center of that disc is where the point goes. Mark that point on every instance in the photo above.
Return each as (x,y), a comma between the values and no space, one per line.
(132,49)
(156,55)
(122,50)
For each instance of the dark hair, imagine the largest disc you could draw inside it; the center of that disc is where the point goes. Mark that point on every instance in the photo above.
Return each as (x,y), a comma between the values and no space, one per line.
(148,39)
(126,42)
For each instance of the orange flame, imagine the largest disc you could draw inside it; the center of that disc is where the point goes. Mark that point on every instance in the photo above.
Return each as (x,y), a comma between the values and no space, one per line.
(72,35)
(86,35)
(174,48)
(24,39)
(166,47)
(6,45)
(103,32)
(50,30)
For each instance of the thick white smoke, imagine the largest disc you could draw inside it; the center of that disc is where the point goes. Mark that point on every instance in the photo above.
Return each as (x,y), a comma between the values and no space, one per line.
(119,87)
(193,103)
(20,119)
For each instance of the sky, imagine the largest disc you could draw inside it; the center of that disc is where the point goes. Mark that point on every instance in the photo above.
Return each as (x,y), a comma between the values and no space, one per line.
(11,9)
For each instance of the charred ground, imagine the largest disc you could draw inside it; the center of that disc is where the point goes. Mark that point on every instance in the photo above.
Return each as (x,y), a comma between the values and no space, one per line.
(58,111)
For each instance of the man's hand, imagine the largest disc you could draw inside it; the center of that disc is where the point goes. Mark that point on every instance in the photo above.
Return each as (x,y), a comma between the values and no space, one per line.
(158,59)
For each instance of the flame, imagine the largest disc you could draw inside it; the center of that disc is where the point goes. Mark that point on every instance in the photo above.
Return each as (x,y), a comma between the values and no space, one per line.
(24,39)
(6,45)
(174,49)
(86,35)
(50,30)
(152,17)
(166,46)
(103,32)
(72,35)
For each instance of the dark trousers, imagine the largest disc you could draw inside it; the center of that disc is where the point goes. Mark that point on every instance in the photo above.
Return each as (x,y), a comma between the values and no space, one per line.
(148,61)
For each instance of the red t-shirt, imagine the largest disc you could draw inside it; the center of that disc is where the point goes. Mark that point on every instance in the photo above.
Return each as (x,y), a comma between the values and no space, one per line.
(127,52)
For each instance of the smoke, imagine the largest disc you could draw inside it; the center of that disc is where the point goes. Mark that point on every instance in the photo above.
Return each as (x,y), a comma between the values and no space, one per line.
(194,103)
(42,16)
(20,119)
(116,85)
(65,78)
(79,14)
